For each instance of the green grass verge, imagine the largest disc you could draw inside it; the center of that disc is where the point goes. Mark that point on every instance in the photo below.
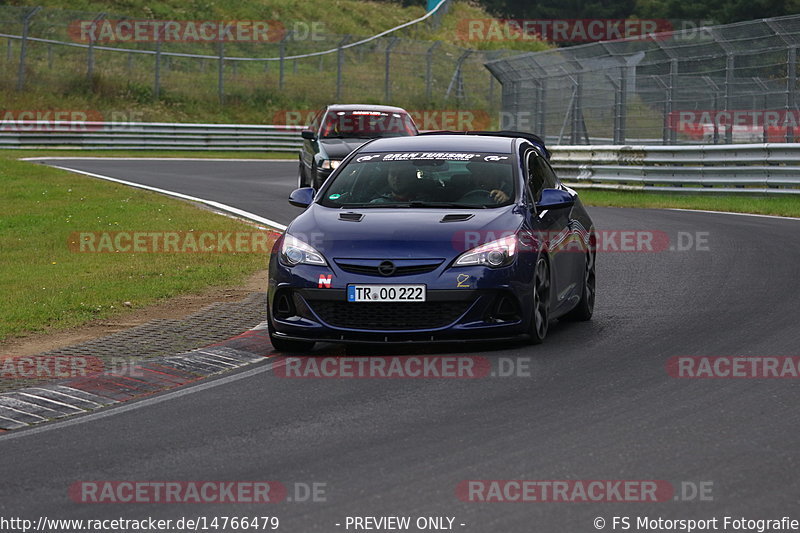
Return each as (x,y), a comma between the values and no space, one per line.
(786,206)
(20,154)
(46,285)
(123,86)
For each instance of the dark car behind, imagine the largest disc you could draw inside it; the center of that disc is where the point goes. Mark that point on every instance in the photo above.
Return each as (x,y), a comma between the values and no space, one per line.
(337,130)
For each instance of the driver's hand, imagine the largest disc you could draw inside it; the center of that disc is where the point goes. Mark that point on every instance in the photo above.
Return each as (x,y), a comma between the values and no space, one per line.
(499,196)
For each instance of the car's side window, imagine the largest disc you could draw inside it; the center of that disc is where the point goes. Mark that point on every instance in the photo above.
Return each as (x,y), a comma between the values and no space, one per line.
(315,122)
(544,169)
(535,178)
(550,179)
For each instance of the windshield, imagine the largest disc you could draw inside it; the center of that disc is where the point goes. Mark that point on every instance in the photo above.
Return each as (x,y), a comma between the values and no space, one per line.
(367,124)
(423,179)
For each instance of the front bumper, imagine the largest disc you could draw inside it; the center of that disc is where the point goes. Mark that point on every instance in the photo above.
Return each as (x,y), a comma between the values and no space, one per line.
(448,315)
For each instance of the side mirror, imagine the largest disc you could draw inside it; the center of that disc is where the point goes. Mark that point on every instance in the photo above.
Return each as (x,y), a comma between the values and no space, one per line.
(302,197)
(307,134)
(555,199)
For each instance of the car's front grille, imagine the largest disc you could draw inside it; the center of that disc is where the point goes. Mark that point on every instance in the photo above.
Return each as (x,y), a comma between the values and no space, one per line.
(399,271)
(389,316)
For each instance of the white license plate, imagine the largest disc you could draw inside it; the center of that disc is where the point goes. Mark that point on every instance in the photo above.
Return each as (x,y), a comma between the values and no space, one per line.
(386,293)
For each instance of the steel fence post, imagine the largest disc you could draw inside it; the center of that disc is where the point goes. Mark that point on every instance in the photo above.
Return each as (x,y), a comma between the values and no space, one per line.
(340,66)
(623,105)
(670,108)
(729,66)
(791,85)
(23,48)
(90,53)
(282,60)
(221,73)
(542,108)
(157,86)
(387,82)
(429,70)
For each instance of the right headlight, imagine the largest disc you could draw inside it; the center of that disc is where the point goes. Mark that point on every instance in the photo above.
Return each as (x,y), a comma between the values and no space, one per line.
(493,254)
(294,252)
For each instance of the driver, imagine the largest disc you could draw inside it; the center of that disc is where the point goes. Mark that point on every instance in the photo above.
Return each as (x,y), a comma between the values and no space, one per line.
(402,185)
(487,177)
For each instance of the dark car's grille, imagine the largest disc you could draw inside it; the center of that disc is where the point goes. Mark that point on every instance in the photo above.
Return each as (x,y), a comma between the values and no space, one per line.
(400,270)
(389,316)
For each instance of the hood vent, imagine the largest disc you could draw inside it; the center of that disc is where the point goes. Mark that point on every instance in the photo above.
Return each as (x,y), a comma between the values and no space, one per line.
(459,217)
(351,217)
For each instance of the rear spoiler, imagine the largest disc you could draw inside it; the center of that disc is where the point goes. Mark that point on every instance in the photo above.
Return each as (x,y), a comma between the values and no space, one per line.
(530,137)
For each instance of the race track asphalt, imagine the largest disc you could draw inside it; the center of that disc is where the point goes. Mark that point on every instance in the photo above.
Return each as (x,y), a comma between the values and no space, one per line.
(598,403)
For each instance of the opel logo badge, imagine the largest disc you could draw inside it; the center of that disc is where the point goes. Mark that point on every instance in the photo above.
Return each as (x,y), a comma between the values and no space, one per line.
(386,268)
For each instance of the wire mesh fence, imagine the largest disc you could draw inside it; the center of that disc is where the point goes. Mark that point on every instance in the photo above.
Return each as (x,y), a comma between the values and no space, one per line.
(100,52)
(735,83)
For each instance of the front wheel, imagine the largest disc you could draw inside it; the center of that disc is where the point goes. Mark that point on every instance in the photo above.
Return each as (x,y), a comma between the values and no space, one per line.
(540,314)
(315,181)
(302,180)
(287,345)
(585,308)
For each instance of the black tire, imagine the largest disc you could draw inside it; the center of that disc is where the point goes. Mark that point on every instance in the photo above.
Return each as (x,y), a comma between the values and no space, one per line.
(302,179)
(287,345)
(540,313)
(585,308)
(315,177)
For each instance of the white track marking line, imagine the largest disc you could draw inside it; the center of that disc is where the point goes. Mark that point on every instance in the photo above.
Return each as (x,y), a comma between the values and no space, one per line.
(235,210)
(730,213)
(138,404)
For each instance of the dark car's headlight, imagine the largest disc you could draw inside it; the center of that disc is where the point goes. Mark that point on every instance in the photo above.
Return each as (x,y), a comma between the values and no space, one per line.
(294,251)
(493,254)
(330,164)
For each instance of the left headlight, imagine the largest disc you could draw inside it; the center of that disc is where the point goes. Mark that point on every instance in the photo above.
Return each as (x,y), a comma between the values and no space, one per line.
(493,254)
(294,251)
(330,164)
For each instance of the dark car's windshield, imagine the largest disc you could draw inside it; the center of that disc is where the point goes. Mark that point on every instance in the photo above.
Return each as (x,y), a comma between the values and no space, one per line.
(423,179)
(367,124)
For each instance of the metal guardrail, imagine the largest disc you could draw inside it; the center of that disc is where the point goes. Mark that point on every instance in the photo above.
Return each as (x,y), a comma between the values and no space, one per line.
(736,168)
(148,136)
(730,168)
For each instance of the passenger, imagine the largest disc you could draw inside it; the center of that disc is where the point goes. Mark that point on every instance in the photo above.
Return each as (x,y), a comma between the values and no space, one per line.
(490,177)
(402,186)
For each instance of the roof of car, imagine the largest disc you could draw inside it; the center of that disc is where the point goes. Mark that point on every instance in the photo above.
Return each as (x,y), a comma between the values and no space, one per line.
(366,107)
(469,143)
(530,137)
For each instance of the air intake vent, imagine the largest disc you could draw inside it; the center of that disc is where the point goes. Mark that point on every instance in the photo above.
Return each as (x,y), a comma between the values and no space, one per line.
(351,217)
(459,217)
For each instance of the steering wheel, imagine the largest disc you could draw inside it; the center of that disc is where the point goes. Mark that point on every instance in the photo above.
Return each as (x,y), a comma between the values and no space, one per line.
(478,196)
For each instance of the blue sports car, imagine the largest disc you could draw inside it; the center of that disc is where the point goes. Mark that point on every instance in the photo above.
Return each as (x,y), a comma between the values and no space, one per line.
(435,237)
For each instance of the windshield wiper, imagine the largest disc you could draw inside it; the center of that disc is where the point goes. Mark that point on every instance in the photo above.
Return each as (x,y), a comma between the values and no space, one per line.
(368,204)
(413,204)
(419,203)
(348,136)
